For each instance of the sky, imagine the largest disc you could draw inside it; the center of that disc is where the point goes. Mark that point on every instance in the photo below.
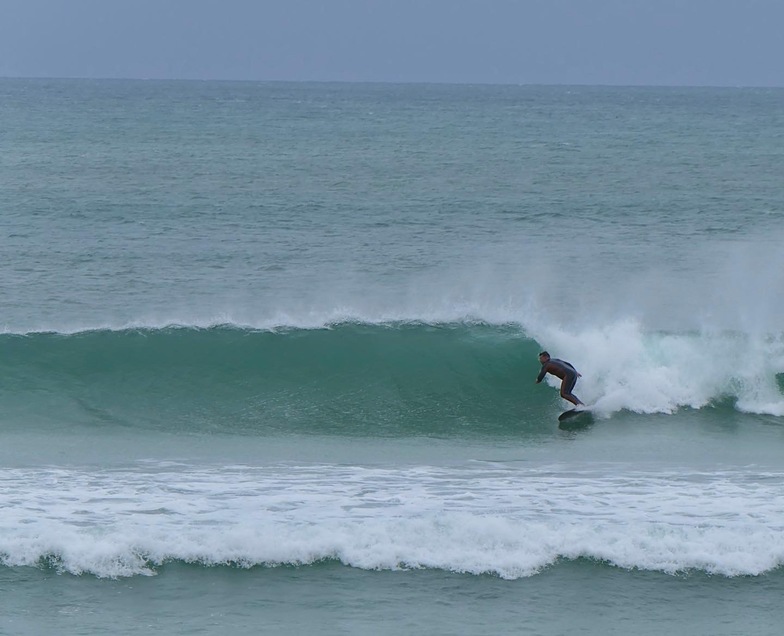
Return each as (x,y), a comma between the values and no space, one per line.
(598,42)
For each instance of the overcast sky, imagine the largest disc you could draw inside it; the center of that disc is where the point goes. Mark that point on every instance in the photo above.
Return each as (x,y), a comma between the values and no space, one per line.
(628,42)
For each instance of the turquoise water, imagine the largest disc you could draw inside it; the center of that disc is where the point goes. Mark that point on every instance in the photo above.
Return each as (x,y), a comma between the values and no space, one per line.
(269,350)
(576,597)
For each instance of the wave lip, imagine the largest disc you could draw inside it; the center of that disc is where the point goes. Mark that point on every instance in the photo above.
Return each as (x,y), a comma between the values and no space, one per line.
(502,521)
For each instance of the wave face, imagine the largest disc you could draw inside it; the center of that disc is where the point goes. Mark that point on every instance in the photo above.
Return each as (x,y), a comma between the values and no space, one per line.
(369,380)
(363,379)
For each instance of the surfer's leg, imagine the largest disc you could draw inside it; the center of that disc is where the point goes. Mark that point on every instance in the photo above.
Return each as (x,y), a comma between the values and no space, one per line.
(566,390)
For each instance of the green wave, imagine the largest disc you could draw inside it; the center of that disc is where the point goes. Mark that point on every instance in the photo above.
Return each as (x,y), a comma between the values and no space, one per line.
(352,379)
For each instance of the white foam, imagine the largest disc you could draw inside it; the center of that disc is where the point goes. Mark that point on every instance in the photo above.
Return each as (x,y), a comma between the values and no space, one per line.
(474,519)
(625,367)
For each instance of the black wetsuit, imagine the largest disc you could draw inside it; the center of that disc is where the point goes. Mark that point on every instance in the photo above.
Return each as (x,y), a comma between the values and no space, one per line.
(563,370)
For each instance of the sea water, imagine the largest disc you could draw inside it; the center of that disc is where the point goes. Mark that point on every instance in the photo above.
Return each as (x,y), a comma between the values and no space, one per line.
(268,351)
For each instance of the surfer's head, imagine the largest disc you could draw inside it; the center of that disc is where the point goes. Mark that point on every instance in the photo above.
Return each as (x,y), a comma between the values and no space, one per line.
(544,357)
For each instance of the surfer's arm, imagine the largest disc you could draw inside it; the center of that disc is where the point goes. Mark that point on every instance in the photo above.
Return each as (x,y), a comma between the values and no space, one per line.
(541,375)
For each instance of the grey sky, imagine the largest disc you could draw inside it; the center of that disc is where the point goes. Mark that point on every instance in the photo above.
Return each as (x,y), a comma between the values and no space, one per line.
(656,42)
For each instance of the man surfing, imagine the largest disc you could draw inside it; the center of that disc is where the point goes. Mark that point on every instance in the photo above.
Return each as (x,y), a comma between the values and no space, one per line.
(563,370)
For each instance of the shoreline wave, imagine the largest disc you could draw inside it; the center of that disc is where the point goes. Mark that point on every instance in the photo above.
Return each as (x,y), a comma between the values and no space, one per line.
(508,522)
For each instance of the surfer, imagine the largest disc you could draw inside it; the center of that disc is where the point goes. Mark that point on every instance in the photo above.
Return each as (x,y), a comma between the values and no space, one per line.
(563,370)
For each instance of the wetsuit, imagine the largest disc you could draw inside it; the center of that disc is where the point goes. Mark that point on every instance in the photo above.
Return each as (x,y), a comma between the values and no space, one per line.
(566,372)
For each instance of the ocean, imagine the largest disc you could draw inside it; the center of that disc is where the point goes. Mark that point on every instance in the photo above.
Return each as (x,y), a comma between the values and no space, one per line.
(268,356)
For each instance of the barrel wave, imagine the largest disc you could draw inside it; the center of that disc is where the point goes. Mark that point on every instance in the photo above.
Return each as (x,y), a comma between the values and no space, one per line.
(361,379)
(356,379)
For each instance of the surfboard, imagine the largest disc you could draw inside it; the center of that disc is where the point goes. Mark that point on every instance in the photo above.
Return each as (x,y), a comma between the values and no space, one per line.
(575,418)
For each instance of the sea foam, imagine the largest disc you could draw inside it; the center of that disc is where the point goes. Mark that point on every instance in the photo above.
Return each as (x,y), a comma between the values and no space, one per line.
(626,367)
(488,519)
